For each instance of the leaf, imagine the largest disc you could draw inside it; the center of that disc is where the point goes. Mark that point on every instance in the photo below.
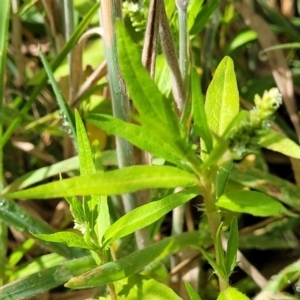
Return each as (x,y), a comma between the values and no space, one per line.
(147,214)
(222,178)
(266,183)
(133,263)
(222,98)
(70,239)
(279,143)
(232,247)
(191,292)
(14,215)
(204,15)
(217,269)
(200,121)
(85,153)
(251,202)
(147,98)
(115,182)
(137,135)
(47,279)
(220,254)
(108,159)
(65,109)
(141,287)
(232,294)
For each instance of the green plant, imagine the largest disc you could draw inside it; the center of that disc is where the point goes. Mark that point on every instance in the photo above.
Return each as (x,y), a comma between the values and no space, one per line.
(170,129)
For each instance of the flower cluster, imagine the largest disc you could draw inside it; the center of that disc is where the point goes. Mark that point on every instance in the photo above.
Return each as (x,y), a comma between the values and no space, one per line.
(245,136)
(137,14)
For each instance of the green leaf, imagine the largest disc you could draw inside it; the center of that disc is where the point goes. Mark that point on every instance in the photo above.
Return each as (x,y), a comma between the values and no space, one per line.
(70,239)
(65,109)
(200,121)
(108,158)
(137,135)
(222,98)
(115,182)
(141,287)
(279,143)
(266,183)
(219,270)
(220,254)
(36,265)
(232,294)
(14,215)
(251,202)
(147,214)
(222,178)
(133,263)
(47,279)
(192,293)
(85,153)
(232,247)
(204,15)
(150,103)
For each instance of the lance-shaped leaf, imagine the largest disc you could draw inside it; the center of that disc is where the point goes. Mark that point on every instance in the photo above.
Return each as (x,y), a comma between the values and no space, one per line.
(133,263)
(222,98)
(71,239)
(115,182)
(200,120)
(150,103)
(251,202)
(46,279)
(147,214)
(139,136)
(279,143)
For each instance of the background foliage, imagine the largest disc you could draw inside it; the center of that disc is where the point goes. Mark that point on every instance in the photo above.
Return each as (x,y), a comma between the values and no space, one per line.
(59,119)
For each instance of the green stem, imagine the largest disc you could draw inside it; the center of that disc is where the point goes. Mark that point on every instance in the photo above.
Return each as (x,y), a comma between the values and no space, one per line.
(183,37)
(208,189)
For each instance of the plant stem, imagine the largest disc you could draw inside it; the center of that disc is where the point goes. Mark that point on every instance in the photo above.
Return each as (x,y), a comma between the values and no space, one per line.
(183,38)
(208,189)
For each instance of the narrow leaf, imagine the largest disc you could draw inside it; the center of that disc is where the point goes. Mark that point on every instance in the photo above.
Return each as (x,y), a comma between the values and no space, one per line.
(142,89)
(279,143)
(147,214)
(85,153)
(232,247)
(222,178)
(251,202)
(137,135)
(108,159)
(200,121)
(269,184)
(115,182)
(70,239)
(192,293)
(47,279)
(65,109)
(133,263)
